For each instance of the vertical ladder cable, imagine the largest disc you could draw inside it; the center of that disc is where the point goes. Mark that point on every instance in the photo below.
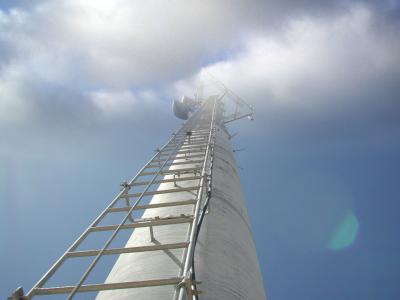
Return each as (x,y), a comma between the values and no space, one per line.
(203,212)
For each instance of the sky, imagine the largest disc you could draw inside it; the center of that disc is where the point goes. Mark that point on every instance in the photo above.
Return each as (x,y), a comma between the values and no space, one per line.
(85,98)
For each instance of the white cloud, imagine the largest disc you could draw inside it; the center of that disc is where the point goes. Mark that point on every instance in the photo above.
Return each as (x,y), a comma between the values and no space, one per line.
(76,46)
(109,103)
(117,49)
(312,62)
(121,42)
(122,103)
(12,108)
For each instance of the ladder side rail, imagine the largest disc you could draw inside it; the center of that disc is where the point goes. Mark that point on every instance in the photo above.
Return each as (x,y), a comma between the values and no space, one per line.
(185,250)
(186,283)
(204,210)
(43,280)
(109,241)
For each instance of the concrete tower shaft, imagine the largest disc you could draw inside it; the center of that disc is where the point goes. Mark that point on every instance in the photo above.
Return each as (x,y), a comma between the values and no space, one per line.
(193,235)
(225,257)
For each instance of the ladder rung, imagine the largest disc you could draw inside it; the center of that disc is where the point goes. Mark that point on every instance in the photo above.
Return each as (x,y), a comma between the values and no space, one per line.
(166,155)
(199,131)
(179,157)
(192,141)
(189,147)
(177,163)
(155,205)
(192,137)
(108,286)
(166,180)
(186,150)
(179,151)
(186,145)
(175,171)
(177,190)
(195,140)
(184,156)
(128,250)
(198,135)
(194,144)
(146,223)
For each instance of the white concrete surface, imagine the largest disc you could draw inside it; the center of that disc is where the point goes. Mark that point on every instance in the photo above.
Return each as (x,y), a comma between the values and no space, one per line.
(225,260)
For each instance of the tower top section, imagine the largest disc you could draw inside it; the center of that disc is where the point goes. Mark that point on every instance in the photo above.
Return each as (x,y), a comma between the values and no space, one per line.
(233,106)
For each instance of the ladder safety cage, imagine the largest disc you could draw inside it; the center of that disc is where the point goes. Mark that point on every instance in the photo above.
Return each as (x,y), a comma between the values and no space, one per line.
(188,146)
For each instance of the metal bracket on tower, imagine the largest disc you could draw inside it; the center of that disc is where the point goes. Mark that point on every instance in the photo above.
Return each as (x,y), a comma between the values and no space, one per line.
(18,295)
(152,238)
(240,104)
(241,110)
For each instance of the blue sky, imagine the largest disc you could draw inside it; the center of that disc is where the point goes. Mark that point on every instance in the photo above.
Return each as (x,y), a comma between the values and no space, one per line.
(85,97)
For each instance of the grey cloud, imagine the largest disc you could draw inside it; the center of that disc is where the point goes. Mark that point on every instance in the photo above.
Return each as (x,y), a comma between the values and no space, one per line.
(124,43)
(55,54)
(332,81)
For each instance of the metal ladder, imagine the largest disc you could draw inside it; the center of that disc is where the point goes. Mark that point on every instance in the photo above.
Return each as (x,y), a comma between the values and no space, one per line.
(191,144)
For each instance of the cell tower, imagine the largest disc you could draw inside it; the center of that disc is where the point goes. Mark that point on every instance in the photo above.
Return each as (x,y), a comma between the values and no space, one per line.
(188,232)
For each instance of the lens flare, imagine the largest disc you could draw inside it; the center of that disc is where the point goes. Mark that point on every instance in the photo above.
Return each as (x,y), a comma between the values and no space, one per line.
(345,232)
